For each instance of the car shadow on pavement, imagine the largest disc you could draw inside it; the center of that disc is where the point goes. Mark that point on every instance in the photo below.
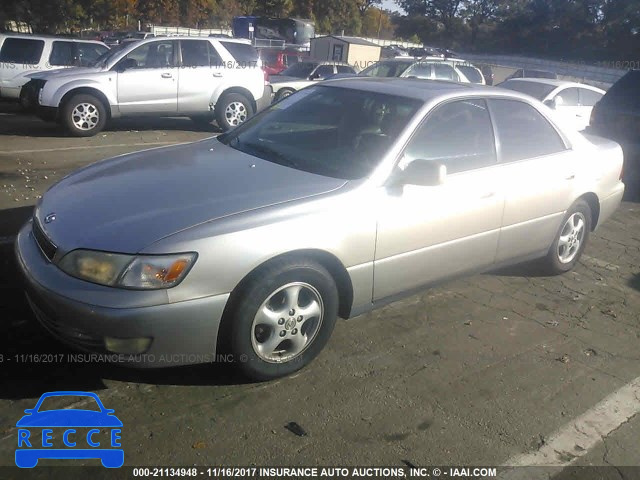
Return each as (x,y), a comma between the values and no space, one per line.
(33,362)
(527,269)
(635,282)
(19,123)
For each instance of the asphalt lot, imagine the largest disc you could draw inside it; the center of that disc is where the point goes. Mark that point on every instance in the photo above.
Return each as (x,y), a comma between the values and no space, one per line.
(479,371)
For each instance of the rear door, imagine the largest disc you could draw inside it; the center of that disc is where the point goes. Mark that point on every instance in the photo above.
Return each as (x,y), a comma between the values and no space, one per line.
(151,84)
(538,172)
(201,72)
(567,103)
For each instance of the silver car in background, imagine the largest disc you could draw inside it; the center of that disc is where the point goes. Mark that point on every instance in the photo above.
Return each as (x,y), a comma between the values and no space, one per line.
(332,202)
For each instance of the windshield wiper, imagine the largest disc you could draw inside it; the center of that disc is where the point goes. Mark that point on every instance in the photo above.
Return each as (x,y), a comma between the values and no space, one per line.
(271,154)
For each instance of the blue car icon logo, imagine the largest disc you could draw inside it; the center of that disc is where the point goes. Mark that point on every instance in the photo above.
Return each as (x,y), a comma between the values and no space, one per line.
(70,433)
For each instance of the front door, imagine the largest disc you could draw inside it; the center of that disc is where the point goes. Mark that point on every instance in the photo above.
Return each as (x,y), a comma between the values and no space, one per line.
(429,233)
(149,82)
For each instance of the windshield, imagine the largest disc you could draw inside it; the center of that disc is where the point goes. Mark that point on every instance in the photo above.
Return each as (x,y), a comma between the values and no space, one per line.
(300,70)
(385,69)
(326,130)
(534,89)
(106,56)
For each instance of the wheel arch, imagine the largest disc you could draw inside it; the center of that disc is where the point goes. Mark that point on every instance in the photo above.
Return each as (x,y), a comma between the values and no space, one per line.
(88,91)
(594,205)
(329,261)
(242,91)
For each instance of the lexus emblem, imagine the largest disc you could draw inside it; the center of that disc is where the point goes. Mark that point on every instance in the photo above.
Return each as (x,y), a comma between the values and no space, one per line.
(50,218)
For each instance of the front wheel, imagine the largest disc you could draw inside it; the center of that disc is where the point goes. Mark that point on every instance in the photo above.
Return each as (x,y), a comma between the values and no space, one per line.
(232,109)
(84,115)
(570,240)
(283,318)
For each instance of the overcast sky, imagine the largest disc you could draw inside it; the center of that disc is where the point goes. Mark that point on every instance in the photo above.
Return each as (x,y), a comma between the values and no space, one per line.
(390,5)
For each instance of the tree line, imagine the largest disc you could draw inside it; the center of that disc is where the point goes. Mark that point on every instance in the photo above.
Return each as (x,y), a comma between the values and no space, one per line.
(605,30)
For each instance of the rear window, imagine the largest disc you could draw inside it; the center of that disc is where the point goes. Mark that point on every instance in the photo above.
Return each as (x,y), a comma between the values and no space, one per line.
(472,73)
(625,91)
(62,54)
(534,89)
(21,50)
(244,54)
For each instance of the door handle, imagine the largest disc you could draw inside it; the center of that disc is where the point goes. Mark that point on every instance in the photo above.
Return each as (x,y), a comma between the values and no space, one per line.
(487,195)
(217,74)
(166,75)
(570,177)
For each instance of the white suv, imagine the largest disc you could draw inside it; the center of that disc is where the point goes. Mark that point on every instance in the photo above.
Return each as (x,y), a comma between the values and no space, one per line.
(23,54)
(202,78)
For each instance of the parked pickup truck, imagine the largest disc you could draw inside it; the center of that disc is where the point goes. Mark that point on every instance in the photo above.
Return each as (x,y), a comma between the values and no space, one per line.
(201,78)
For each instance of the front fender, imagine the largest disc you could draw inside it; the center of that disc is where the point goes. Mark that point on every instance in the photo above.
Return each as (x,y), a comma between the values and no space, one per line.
(53,97)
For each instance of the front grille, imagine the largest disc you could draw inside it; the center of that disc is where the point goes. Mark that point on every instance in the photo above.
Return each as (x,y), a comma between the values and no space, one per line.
(66,333)
(47,247)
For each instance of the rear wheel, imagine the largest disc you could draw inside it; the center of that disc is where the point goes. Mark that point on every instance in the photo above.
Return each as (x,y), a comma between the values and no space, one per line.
(84,115)
(283,93)
(283,318)
(570,240)
(232,109)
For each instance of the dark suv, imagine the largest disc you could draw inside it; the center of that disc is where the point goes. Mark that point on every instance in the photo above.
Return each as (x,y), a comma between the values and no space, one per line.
(617,116)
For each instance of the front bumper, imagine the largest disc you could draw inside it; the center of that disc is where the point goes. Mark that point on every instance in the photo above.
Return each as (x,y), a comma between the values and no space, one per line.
(264,101)
(181,333)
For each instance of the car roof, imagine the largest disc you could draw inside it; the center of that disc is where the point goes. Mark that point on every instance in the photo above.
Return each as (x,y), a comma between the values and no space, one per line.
(29,36)
(421,89)
(554,83)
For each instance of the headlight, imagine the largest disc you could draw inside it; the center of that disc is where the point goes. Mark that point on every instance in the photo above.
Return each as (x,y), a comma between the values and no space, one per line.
(128,271)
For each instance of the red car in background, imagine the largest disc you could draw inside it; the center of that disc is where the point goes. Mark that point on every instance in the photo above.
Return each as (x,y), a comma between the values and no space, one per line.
(275,61)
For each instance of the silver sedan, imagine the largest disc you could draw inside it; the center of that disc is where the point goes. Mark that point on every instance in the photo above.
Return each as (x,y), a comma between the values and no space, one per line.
(334,201)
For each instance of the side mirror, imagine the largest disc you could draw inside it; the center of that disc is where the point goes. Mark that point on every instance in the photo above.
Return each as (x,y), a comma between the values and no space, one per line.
(29,411)
(426,173)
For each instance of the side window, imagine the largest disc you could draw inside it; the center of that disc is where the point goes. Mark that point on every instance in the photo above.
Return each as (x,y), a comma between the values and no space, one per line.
(245,55)
(195,53)
(152,55)
(567,98)
(445,72)
(345,69)
(523,132)
(62,54)
(21,50)
(324,71)
(420,70)
(458,134)
(291,59)
(215,60)
(89,52)
(588,98)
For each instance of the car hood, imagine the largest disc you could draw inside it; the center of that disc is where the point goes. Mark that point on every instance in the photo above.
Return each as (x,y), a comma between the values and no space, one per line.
(129,202)
(65,72)
(69,418)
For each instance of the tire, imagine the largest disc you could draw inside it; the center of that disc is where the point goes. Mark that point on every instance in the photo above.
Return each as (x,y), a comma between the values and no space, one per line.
(232,109)
(84,115)
(26,102)
(570,241)
(287,338)
(283,93)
